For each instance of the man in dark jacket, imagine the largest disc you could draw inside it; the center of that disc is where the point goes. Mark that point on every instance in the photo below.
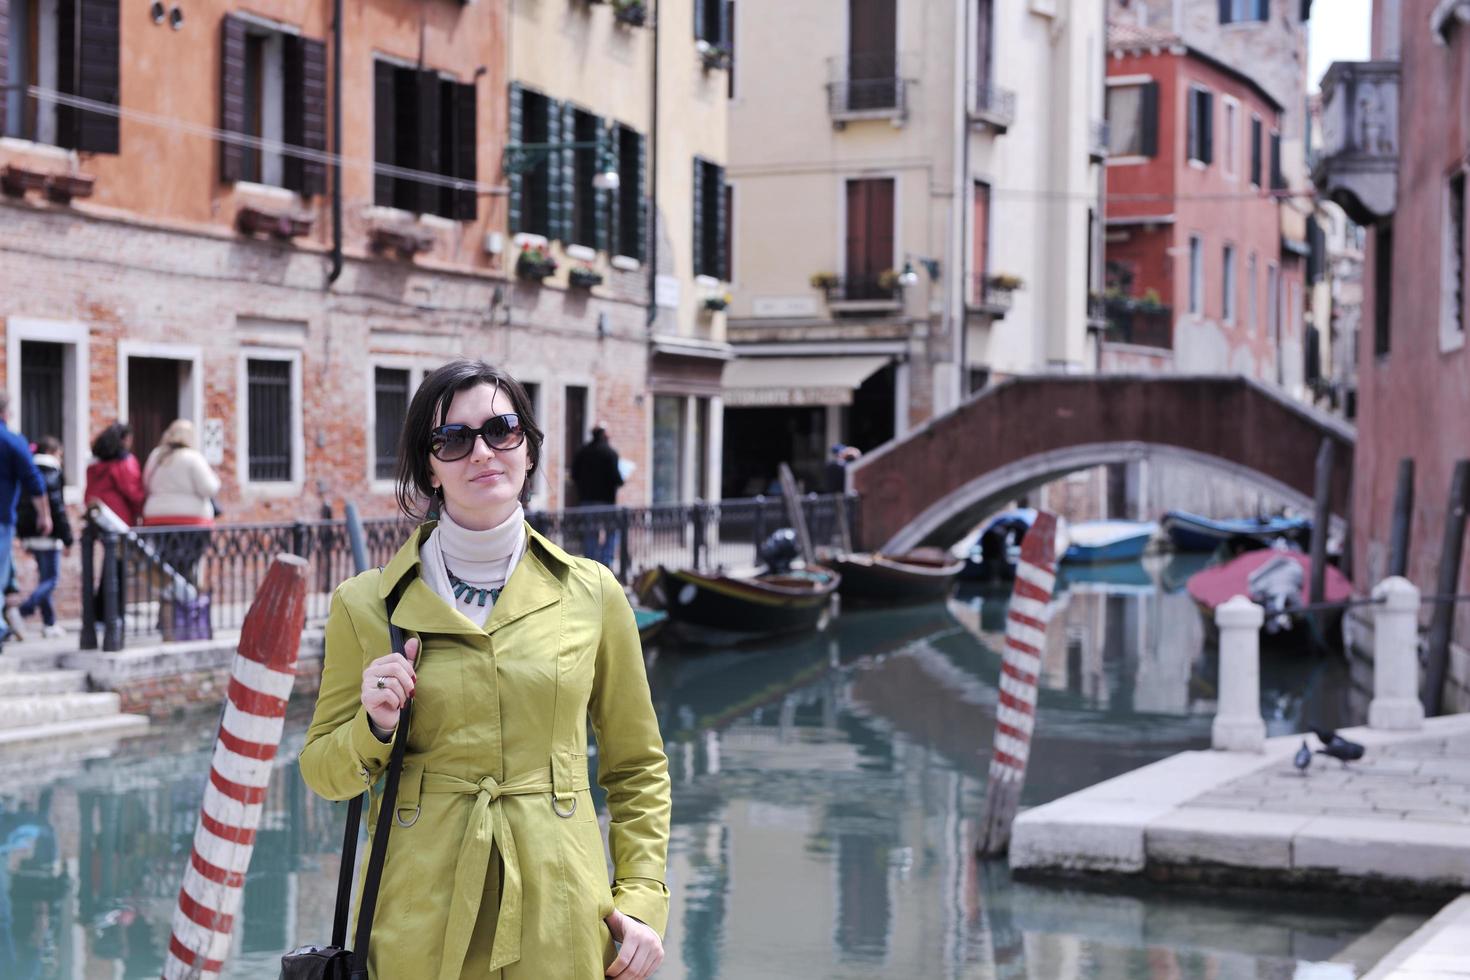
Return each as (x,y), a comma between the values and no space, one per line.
(46,549)
(597,476)
(18,474)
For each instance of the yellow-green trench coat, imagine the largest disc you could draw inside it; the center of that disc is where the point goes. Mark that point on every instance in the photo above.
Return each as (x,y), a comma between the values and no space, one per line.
(496,874)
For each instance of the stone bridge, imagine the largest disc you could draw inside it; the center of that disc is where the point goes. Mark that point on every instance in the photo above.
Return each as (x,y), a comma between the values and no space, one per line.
(937,483)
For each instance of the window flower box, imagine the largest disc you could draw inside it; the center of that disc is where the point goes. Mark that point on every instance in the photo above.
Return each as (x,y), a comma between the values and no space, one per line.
(713,56)
(824,280)
(888,280)
(16,180)
(61,188)
(717,302)
(284,225)
(535,264)
(631,13)
(583,277)
(406,240)
(1003,281)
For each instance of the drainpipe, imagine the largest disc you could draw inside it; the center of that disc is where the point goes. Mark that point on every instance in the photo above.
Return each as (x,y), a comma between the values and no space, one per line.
(652,181)
(962,201)
(336,269)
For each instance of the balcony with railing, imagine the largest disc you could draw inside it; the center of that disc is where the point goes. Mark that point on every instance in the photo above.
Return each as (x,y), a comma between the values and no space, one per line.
(864,294)
(1142,322)
(1097,140)
(866,87)
(993,295)
(1356,165)
(995,107)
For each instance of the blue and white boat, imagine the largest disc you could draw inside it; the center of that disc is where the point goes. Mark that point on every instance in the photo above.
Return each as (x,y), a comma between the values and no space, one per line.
(1191,532)
(1099,541)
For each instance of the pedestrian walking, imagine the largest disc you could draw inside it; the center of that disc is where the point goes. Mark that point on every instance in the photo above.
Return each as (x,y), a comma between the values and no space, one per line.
(180,494)
(834,474)
(45,549)
(597,477)
(495,861)
(114,478)
(18,475)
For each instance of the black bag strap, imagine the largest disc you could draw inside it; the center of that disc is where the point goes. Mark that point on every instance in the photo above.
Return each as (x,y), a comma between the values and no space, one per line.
(379,852)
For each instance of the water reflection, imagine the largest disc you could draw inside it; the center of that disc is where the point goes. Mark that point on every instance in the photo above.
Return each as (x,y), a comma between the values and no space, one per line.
(826,797)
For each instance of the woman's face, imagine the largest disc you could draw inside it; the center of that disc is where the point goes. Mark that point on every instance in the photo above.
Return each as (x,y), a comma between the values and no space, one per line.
(482,489)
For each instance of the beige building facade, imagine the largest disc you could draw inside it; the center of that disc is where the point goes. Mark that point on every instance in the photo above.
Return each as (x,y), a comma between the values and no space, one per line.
(912,187)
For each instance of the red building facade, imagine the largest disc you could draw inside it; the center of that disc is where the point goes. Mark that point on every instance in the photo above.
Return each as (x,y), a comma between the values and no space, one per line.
(1196,274)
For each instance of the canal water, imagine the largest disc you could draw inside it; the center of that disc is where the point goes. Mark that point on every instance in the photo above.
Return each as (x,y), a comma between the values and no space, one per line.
(826,796)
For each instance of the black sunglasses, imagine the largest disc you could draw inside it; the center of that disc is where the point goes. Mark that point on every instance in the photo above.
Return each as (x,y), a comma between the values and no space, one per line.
(501,433)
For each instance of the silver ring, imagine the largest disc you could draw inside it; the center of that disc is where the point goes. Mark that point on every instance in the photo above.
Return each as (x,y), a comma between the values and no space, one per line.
(382,683)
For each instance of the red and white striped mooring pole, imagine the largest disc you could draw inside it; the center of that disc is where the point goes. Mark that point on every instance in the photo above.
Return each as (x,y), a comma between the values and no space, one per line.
(1015,712)
(249,734)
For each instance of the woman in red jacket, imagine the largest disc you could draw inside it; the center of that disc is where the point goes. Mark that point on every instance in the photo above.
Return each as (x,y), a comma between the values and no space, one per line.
(115,478)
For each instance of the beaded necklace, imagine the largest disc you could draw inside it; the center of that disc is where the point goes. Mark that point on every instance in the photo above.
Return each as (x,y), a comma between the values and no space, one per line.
(470,594)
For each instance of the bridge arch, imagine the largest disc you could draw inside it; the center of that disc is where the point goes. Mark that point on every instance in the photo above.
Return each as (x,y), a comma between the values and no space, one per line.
(934,485)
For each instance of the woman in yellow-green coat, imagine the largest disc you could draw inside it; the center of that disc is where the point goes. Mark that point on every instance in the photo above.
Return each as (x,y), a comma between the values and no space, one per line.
(495,864)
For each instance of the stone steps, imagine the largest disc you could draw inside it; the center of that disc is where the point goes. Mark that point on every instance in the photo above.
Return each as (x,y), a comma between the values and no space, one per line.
(113,725)
(49,709)
(36,682)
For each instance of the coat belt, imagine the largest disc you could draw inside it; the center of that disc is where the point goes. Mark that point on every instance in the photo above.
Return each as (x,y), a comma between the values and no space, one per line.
(488,827)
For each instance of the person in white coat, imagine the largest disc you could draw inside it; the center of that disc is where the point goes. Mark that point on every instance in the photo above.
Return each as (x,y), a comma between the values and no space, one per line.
(181,488)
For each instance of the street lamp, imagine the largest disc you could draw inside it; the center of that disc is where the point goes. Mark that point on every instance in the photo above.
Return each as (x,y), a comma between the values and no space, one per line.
(909,277)
(521,158)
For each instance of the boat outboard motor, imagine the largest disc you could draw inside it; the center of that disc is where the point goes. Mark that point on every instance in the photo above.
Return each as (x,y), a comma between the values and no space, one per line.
(779,550)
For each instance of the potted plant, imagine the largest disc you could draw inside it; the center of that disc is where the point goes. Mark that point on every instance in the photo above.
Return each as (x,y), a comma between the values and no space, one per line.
(633,13)
(535,263)
(713,55)
(1004,281)
(888,280)
(824,280)
(1151,301)
(717,302)
(584,277)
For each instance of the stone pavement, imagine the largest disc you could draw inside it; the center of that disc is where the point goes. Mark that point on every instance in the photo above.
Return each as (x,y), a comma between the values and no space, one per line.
(1439,950)
(1401,816)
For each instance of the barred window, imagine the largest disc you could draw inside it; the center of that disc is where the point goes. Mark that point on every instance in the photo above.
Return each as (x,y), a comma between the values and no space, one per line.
(390,386)
(269,426)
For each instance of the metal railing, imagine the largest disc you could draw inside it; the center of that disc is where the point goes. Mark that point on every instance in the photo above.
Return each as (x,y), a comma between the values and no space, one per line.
(1132,321)
(862,289)
(1099,135)
(152,584)
(866,84)
(995,106)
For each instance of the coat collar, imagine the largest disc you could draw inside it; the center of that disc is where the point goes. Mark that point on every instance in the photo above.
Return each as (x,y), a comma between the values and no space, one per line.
(535,584)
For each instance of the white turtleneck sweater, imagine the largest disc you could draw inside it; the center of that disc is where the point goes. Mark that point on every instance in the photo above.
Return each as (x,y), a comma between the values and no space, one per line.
(484,559)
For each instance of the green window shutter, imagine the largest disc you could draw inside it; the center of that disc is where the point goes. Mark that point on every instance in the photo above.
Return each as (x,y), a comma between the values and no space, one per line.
(1149,111)
(721,268)
(385,133)
(700,27)
(466,161)
(644,216)
(607,150)
(1207,126)
(516,182)
(727,35)
(567,190)
(553,171)
(231,96)
(700,258)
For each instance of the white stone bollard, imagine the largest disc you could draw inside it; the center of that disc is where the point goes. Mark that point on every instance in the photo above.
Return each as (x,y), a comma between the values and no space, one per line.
(1238,726)
(1395,704)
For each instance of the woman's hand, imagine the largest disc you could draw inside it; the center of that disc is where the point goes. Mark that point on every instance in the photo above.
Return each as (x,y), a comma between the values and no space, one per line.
(387,684)
(642,951)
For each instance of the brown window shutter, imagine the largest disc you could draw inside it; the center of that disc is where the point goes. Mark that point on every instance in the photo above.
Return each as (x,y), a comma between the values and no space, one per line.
(466,200)
(1149,111)
(232,96)
(306,112)
(87,67)
(384,131)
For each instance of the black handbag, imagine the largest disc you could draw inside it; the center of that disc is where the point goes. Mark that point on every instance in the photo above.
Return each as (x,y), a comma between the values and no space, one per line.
(336,962)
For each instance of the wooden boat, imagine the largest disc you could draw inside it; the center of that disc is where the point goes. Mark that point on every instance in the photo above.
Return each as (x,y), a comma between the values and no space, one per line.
(1097,541)
(1279,580)
(993,556)
(1191,532)
(651,623)
(744,606)
(1106,578)
(921,575)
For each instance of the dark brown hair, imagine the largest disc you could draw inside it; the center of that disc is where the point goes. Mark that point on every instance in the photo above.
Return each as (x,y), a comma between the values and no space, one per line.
(109,444)
(429,409)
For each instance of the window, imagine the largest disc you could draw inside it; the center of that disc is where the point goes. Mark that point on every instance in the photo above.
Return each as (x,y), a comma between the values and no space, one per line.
(1278,178)
(1227,284)
(270,423)
(1251,302)
(712,22)
(711,220)
(872,59)
(1231,123)
(273,87)
(1382,287)
(41,48)
(1256,151)
(1452,315)
(981,234)
(869,246)
(534,119)
(1244,11)
(1133,120)
(587,226)
(390,406)
(574,431)
(1201,126)
(42,389)
(1273,304)
(668,448)
(630,215)
(1196,274)
(426,123)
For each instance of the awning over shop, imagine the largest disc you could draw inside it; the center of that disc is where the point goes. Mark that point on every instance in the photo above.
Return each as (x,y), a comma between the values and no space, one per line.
(761,382)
